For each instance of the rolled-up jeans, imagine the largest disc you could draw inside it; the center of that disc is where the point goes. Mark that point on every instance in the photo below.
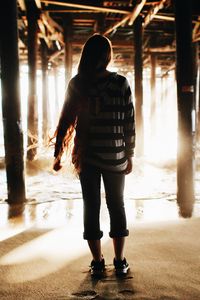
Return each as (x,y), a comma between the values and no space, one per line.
(90,178)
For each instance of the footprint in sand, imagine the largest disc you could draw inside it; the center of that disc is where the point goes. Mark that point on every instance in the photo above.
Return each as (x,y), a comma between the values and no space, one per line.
(127,292)
(83,294)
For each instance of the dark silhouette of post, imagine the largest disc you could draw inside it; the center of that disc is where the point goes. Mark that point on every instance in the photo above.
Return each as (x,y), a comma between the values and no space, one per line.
(153,94)
(32,15)
(100,23)
(45,114)
(13,136)
(68,49)
(196,91)
(185,93)
(198,116)
(138,69)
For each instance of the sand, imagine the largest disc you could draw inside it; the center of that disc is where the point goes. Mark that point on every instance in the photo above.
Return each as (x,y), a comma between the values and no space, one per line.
(53,264)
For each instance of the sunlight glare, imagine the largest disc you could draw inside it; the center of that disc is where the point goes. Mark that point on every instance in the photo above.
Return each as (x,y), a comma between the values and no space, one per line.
(45,254)
(161,128)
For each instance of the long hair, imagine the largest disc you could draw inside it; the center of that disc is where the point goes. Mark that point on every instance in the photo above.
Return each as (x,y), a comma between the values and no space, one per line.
(96,55)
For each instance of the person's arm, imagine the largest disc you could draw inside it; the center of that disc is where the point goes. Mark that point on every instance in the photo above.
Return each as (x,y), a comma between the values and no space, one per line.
(129,128)
(67,118)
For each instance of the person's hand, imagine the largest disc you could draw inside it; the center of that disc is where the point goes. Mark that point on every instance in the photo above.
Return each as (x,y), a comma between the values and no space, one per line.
(129,166)
(56,165)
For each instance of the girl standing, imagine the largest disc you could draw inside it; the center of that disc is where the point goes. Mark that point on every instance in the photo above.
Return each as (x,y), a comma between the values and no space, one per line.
(98,106)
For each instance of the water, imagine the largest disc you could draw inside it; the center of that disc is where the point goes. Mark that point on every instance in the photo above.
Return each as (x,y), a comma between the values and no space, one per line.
(54,199)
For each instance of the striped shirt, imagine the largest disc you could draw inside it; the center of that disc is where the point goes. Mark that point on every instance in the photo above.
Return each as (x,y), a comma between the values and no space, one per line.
(107,118)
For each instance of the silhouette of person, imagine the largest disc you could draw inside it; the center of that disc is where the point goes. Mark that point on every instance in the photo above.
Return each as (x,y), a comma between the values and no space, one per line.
(98,107)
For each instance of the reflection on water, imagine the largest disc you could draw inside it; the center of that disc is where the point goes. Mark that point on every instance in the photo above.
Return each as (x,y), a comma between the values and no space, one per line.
(55,199)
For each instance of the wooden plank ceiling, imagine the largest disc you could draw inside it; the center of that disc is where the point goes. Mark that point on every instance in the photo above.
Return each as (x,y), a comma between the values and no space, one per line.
(113,18)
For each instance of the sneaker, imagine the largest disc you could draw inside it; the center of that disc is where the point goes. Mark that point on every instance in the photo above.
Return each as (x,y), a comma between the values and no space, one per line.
(97,268)
(121,266)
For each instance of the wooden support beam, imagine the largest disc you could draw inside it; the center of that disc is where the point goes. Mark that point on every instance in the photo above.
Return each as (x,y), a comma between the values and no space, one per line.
(116,25)
(152,3)
(196,30)
(131,17)
(83,20)
(84,24)
(45,104)
(136,11)
(38,4)
(22,5)
(164,49)
(83,6)
(164,18)
(197,95)
(197,38)
(72,11)
(42,34)
(138,67)
(51,23)
(54,28)
(196,92)
(100,24)
(54,56)
(41,27)
(153,11)
(170,19)
(32,122)
(185,96)
(166,73)
(11,112)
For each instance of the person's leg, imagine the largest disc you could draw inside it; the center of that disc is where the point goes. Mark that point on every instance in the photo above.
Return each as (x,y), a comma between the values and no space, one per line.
(90,179)
(119,243)
(114,189)
(95,248)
